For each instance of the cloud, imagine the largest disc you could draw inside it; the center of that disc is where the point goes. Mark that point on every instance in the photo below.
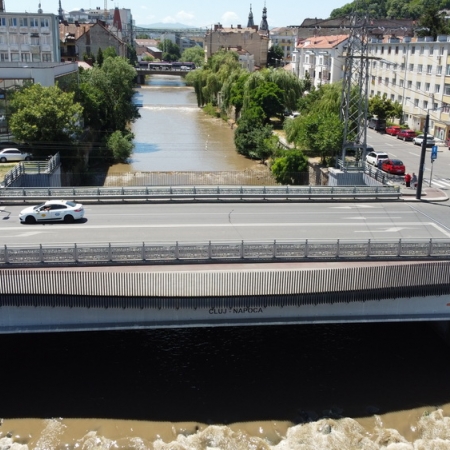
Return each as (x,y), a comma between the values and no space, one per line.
(185,17)
(169,19)
(230,18)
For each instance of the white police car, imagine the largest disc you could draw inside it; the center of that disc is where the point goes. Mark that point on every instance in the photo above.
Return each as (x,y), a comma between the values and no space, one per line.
(51,211)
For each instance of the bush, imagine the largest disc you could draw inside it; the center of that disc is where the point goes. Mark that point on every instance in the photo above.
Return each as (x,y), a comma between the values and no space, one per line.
(120,145)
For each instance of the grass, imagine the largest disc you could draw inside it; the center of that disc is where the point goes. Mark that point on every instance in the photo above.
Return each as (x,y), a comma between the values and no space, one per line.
(5,168)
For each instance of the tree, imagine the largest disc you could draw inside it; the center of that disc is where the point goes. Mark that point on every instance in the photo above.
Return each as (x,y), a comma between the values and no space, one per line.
(109,52)
(45,114)
(194,54)
(275,56)
(120,145)
(383,108)
(100,57)
(269,97)
(170,51)
(290,168)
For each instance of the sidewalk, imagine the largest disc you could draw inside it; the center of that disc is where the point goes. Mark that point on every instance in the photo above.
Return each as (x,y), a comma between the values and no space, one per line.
(429,194)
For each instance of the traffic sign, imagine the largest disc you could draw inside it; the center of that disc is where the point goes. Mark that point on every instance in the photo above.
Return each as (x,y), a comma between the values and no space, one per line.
(434,152)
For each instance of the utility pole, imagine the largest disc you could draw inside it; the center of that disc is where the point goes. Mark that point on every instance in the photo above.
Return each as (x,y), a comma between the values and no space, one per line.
(354,100)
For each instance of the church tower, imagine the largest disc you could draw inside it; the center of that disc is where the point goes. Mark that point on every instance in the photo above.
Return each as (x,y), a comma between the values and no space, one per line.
(264,25)
(250,22)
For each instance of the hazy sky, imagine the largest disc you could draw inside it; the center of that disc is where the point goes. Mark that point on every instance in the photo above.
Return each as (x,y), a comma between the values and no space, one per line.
(197,13)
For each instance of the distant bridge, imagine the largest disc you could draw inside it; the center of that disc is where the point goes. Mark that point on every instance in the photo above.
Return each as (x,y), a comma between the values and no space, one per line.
(95,298)
(142,72)
(177,31)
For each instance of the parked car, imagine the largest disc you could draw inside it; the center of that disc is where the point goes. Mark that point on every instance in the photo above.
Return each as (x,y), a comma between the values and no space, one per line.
(419,140)
(51,211)
(13,154)
(406,135)
(393,130)
(377,124)
(394,166)
(375,157)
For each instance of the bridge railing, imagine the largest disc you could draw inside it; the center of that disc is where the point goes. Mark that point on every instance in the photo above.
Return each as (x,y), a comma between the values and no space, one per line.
(189,193)
(225,251)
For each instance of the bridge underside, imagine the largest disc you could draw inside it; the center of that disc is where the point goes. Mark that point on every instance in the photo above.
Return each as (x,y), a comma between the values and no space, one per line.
(36,301)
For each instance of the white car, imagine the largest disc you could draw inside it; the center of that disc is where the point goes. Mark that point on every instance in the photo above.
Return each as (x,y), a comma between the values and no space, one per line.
(51,211)
(418,140)
(375,158)
(13,154)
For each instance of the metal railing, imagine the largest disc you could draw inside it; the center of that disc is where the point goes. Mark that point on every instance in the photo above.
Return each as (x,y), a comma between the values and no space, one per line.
(189,193)
(207,252)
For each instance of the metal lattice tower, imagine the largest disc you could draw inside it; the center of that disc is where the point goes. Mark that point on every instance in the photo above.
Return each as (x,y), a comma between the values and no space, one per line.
(354,100)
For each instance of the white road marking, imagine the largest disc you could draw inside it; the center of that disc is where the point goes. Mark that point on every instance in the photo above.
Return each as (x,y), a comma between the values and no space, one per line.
(387,230)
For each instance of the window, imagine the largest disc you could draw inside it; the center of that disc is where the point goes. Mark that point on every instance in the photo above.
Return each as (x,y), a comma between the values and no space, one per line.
(441,50)
(386,81)
(36,57)
(402,66)
(374,64)
(392,97)
(416,102)
(411,67)
(393,82)
(15,57)
(2,21)
(422,50)
(26,57)
(382,49)
(400,98)
(34,22)
(437,88)
(46,57)
(401,82)
(425,104)
(431,50)
(447,70)
(420,68)
(418,86)
(13,21)
(379,80)
(23,21)
(427,87)
(439,70)
(44,22)
(4,57)
(396,49)
(34,40)
(413,50)
(409,84)
(429,69)
(447,89)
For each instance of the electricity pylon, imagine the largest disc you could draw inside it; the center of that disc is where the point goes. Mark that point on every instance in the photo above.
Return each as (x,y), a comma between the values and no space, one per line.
(354,100)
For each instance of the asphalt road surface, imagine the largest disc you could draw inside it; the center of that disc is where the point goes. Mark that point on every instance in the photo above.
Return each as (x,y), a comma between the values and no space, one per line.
(202,222)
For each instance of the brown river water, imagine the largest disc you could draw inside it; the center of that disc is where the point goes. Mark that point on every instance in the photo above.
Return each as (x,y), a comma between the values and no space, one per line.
(343,386)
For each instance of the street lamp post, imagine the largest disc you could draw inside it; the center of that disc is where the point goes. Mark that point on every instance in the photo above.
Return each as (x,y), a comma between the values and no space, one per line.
(422,157)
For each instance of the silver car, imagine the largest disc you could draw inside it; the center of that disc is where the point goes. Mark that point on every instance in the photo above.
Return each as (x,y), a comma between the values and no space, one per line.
(13,154)
(51,211)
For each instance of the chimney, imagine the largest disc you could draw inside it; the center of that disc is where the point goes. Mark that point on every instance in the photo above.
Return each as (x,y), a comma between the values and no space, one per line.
(239,27)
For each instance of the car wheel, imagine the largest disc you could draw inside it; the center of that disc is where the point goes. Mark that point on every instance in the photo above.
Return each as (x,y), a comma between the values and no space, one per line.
(68,218)
(30,220)
(3,159)
(28,158)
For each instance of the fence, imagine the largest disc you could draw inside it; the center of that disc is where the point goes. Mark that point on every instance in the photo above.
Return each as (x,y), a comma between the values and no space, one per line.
(207,252)
(212,193)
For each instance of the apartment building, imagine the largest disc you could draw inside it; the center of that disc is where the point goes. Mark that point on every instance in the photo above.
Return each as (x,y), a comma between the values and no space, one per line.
(285,38)
(321,57)
(414,71)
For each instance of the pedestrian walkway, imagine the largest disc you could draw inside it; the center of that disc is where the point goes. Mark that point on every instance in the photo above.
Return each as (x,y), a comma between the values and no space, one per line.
(429,194)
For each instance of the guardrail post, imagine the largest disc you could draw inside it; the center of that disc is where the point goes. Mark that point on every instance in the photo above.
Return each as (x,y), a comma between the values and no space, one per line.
(368,249)
(143,251)
(242,250)
(6,255)
(177,251)
(430,247)
(109,252)
(123,194)
(337,249)
(274,249)
(41,253)
(399,247)
(306,248)
(264,193)
(209,250)
(75,253)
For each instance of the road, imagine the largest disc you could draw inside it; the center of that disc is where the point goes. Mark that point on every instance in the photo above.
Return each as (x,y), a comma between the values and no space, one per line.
(410,155)
(201,222)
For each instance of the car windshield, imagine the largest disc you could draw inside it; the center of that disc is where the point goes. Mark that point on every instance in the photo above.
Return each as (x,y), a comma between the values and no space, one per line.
(382,156)
(396,162)
(70,203)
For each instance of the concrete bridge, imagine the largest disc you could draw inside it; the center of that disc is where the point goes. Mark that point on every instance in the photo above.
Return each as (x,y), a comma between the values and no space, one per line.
(142,72)
(133,297)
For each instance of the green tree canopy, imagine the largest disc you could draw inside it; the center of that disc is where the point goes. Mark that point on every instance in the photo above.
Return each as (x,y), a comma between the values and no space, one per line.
(120,145)
(170,51)
(290,168)
(45,114)
(275,56)
(194,54)
(384,108)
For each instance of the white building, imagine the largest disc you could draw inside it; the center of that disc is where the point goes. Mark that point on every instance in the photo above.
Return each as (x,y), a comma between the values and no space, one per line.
(285,38)
(416,73)
(321,57)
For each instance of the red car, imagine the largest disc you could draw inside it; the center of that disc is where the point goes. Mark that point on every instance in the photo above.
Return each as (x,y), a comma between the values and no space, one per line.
(394,166)
(406,135)
(393,130)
